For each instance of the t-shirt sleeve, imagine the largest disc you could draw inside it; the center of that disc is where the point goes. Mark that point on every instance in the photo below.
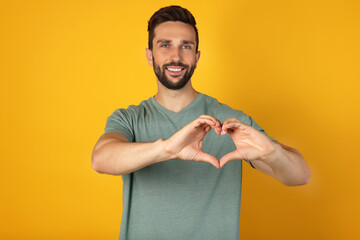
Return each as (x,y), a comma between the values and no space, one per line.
(256,126)
(120,122)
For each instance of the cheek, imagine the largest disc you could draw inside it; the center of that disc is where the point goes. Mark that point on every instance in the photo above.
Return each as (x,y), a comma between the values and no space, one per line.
(191,60)
(160,59)
(190,56)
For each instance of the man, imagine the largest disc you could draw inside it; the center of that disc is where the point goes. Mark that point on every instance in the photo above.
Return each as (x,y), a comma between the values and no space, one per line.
(180,180)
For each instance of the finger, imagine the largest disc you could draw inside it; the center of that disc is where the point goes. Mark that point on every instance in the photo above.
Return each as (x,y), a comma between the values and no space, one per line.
(217,127)
(229,120)
(227,158)
(231,124)
(209,117)
(204,121)
(225,128)
(208,121)
(208,128)
(225,125)
(205,157)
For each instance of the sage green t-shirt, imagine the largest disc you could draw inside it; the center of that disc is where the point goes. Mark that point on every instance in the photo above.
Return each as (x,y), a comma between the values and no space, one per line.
(177,199)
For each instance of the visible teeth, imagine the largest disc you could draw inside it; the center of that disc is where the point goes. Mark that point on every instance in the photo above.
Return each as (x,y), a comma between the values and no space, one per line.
(174,69)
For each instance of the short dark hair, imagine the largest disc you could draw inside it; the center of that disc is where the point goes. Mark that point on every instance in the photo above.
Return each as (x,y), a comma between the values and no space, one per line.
(171,13)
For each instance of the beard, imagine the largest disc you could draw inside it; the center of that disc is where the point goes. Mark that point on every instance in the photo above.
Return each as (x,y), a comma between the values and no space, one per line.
(160,74)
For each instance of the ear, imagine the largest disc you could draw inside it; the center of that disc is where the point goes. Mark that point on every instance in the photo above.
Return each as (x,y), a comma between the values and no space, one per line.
(149,57)
(197,57)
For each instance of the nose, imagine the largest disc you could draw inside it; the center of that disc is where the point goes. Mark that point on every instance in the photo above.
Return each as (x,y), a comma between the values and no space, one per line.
(175,55)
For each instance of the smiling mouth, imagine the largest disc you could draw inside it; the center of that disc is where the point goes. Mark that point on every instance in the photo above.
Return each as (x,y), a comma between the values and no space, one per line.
(175,70)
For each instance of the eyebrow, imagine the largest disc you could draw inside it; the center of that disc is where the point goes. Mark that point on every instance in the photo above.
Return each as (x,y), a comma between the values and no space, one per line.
(169,41)
(188,42)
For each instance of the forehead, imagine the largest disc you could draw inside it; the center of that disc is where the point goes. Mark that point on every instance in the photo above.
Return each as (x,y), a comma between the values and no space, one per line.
(174,30)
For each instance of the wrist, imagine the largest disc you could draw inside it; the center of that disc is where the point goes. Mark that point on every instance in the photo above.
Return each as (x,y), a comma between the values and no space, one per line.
(164,151)
(272,153)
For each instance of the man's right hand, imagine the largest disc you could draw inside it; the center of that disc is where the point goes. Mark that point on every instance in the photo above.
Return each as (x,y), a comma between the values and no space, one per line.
(114,154)
(186,143)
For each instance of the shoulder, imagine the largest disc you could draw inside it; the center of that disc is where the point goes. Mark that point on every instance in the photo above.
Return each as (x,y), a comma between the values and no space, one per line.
(123,120)
(133,110)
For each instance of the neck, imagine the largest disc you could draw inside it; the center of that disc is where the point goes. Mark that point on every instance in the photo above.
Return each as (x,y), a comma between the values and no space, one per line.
(175,100)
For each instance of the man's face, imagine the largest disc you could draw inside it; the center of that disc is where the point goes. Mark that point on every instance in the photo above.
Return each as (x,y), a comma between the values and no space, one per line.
(174,56)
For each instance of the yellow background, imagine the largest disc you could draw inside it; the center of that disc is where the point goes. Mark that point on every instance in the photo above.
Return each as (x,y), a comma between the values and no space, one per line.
(67,65)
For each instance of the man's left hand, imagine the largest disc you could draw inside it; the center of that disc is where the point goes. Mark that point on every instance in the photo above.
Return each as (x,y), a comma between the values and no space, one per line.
(251,144)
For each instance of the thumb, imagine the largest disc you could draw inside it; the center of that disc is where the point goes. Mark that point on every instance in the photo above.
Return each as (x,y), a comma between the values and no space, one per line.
(228,157)
(205,157)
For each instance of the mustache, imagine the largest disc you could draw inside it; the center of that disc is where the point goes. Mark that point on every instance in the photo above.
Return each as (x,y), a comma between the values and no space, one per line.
(178,64)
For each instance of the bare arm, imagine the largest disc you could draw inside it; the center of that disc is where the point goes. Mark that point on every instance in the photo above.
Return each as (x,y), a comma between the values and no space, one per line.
(114,154)
(286,164)
(271,157)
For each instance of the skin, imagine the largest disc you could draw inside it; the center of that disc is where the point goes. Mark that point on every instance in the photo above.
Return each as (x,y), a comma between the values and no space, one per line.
(174,42)
(176,50)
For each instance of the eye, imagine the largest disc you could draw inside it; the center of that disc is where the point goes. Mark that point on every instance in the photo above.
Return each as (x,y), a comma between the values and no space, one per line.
(164,45)
(187,47)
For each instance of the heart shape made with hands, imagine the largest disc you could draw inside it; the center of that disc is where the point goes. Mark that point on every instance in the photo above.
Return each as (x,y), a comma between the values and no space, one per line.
(250,143)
